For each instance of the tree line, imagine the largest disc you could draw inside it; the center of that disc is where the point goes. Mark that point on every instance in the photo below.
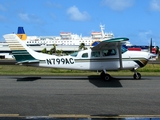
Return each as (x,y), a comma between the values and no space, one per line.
(54,51)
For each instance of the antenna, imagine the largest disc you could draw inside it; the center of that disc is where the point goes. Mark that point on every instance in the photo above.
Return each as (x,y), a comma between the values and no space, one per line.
(102,29)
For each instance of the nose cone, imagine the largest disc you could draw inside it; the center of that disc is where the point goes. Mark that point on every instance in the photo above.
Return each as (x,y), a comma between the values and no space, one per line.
(139,57)
(143,58)
(152,56)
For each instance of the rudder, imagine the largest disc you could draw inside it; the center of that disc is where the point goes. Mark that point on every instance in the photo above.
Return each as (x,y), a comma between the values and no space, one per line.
(18,49)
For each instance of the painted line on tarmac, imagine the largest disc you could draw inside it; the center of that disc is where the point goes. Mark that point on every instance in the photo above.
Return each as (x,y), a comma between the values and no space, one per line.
(9,115)
(69,116)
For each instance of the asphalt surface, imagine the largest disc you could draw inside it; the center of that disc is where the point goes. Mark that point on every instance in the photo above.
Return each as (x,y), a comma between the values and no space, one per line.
(85,95)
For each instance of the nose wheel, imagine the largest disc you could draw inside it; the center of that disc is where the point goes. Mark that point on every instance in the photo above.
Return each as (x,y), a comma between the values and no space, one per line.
(137,76)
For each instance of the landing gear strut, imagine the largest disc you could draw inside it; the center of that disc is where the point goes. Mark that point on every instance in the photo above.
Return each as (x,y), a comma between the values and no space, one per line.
(105,76)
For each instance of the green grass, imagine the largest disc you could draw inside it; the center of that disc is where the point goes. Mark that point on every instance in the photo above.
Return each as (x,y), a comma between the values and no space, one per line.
(148,70)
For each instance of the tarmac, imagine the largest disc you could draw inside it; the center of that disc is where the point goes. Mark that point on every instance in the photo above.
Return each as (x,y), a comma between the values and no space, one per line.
(75,97)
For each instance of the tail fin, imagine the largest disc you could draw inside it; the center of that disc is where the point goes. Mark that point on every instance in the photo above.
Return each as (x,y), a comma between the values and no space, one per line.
(21,34)
(20,51)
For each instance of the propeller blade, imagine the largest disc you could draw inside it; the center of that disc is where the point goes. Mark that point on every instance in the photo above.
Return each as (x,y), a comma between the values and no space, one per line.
(150,47)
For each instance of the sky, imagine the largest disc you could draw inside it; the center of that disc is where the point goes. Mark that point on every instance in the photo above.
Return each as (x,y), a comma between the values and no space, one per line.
(138,20)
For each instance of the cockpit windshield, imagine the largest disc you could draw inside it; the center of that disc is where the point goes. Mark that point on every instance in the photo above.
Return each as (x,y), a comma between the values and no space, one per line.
(74,54)
(123,49)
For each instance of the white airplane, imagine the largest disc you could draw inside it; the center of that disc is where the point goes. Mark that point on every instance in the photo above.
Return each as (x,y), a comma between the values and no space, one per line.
(108,55)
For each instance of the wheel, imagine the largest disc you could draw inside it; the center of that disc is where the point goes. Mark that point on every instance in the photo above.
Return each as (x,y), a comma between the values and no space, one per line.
(102,74)
(137,76)
(107,77)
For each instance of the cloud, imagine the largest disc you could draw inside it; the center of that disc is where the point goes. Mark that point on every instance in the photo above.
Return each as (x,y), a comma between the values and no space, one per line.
(155,5)
(76,15)
(29,18)
(145,33)
(24,16)
(2,8)
(2,18)
(53,5)
(145,36)
(53,16)
(118,5)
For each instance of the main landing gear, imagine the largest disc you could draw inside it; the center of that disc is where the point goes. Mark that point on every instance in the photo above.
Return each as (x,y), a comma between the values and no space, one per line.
(105,76)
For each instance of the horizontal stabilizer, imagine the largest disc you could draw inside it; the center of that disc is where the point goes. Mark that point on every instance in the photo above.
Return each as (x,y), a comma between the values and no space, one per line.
(28,61)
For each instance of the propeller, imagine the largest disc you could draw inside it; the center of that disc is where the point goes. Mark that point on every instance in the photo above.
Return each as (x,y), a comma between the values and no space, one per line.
(150,47)
(152,55)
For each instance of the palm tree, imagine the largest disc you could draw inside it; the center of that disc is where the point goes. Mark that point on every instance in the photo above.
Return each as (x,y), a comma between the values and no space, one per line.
(53,49)
(59,52)
(44,50)
(82,46)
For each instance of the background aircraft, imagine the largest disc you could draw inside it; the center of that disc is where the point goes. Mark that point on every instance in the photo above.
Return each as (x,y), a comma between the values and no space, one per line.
(108,55)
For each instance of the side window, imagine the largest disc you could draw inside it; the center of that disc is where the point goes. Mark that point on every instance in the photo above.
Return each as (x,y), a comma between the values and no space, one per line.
(95,54)
(85,55)
(104,52)
(109,52)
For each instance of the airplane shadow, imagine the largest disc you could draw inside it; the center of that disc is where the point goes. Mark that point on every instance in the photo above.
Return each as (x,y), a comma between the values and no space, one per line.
(99,82)
(95,80)
(28,78)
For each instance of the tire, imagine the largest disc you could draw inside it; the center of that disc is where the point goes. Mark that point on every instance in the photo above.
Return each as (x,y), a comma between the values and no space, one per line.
(102,74)
(137,77)
(107,77)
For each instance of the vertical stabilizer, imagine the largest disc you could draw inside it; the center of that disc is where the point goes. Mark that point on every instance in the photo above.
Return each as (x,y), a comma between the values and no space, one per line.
(21,34)
(20,51)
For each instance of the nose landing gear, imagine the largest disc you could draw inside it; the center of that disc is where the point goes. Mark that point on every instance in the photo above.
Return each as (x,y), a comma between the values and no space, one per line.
(136,75)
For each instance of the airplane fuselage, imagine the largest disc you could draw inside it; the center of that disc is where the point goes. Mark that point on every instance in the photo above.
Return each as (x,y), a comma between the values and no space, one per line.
(95,60)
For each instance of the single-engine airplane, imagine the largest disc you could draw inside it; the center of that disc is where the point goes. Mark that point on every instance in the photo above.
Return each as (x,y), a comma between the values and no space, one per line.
(108,55)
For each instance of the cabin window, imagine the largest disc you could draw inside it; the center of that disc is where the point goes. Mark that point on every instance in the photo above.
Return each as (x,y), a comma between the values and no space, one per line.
(95,54)
(85,55)
(109,52)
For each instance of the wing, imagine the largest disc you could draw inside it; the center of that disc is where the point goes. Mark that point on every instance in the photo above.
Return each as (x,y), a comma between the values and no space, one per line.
(109,43)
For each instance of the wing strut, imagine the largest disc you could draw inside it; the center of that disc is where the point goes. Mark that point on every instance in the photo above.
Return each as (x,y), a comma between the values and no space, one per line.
(120,55)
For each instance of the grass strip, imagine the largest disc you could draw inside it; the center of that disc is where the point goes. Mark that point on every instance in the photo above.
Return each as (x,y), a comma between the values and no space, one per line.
(148,70)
